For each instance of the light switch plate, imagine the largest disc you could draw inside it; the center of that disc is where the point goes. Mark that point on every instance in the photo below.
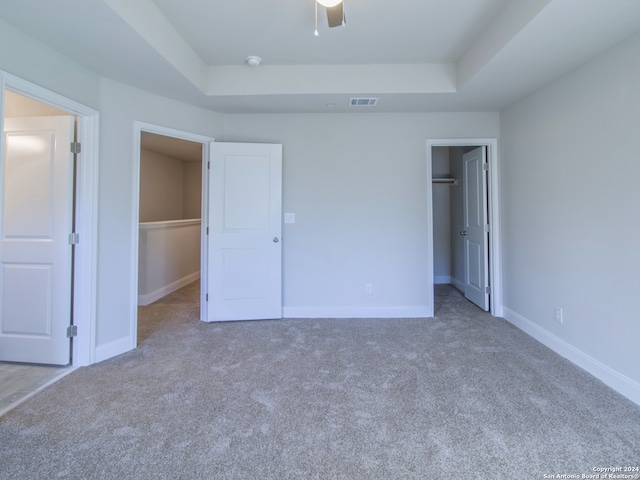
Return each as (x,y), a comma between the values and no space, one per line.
(289,218)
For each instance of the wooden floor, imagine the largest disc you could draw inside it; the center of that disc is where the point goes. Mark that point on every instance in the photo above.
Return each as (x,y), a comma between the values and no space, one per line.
(20,381)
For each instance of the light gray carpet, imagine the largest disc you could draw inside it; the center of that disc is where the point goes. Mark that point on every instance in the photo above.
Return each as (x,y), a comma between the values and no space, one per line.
(461,396)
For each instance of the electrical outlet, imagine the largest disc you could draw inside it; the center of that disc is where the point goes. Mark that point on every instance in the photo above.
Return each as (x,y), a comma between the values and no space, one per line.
(559,315)
(368,288)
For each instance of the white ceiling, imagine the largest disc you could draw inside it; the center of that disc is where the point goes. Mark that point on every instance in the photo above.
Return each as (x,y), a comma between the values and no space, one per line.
(415,55)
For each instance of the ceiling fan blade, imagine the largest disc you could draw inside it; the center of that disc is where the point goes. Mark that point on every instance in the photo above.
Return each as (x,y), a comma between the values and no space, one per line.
(335,15)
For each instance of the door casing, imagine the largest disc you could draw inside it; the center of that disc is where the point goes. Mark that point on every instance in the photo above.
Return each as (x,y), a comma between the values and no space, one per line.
(85,267)
(495,256)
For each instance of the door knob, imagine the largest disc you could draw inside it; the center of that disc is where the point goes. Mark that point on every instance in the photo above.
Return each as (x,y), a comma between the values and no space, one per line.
(463,233)
(276,239)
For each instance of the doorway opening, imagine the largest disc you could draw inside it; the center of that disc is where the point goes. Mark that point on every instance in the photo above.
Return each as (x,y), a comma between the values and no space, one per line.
(170,213)
(453,257)
(36,279)
(75,333)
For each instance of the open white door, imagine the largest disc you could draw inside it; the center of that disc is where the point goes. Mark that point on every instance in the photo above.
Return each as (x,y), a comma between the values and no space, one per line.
(476,228)
(35,254)
(245,248)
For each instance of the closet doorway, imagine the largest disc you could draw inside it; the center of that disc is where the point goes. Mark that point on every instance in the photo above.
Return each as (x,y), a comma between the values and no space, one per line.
(464,219)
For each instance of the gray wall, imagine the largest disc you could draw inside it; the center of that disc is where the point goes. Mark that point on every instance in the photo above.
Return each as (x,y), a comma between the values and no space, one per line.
(192,189)
(441,217)
(170,188)
(457,220)
(120,107)
(357,183)
(570,222)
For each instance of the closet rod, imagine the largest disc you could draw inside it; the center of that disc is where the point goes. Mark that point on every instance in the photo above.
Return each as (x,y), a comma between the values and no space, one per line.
(445,181)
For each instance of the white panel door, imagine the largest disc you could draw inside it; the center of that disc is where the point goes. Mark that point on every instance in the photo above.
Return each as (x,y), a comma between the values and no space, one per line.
(476,236)
(245,248)
(35,255)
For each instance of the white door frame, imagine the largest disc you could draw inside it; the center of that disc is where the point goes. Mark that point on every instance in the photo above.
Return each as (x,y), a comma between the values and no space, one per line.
(493,185)
(85,270)
(138,128)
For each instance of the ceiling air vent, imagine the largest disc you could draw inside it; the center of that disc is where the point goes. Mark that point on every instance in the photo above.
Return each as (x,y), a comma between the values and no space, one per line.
(363,102)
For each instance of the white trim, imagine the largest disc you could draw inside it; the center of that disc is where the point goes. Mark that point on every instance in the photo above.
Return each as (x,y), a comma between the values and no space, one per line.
(166,224)
(614,379)
(447,280)
(138,128)
(458,284)
(85,284)
(112,349)
(149,298)
(495,253)
(409,311)
(204,239)
(430,267)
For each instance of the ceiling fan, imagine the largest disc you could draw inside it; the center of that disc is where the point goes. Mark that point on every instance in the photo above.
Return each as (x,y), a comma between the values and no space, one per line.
(335,13)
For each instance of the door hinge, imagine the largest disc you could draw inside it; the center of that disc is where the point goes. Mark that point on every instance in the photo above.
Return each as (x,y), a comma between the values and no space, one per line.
(486,228)
(76,147)
(72,331)
(206,297)
(487,290)
(208,165)
(74,238)
(207,230)
(485,167)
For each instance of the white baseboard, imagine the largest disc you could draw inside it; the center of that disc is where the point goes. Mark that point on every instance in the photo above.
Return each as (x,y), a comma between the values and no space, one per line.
(614,379)
(458,284)
(442,280)
(111,349)
(411,311)
(149,298)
